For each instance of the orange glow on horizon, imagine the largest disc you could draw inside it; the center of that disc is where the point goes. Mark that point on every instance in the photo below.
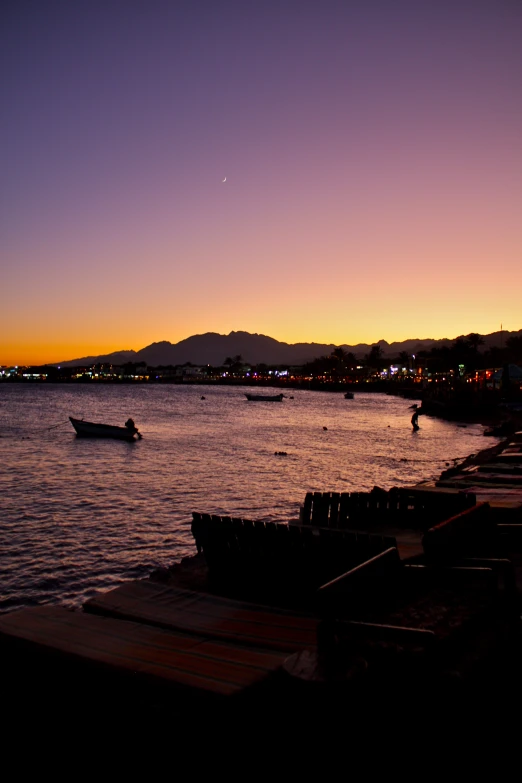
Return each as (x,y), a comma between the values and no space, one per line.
(38,353)
(373,182)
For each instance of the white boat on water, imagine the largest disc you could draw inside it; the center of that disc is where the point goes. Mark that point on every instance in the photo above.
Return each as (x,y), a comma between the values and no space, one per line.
(90,429)
(265,397)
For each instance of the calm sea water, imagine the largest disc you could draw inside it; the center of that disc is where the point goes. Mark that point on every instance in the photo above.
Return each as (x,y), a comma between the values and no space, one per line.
(81,515)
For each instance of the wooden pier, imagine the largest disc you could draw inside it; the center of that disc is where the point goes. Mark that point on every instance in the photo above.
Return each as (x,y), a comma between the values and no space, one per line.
(368,595)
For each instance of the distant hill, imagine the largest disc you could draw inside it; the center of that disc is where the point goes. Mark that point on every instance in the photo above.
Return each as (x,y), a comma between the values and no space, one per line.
(118,357)
(212,348)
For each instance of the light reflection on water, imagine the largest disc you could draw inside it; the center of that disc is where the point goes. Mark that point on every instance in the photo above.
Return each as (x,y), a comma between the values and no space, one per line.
(79,515)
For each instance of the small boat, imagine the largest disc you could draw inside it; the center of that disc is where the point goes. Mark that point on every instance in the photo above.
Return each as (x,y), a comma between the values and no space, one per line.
(265,397)
(90,429)
(348,396)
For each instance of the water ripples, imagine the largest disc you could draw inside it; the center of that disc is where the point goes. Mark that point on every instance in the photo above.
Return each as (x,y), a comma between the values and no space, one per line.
(81,515)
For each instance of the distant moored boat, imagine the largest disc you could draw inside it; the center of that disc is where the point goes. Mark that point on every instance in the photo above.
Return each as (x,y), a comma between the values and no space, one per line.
(265,397)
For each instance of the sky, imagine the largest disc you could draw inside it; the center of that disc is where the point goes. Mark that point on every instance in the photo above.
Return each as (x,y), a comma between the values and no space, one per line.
(372,152)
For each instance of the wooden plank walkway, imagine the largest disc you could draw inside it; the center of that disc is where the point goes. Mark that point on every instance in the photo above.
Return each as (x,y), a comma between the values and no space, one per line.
(406,507)
(278,558)
(155,656)
(207,615)
(497,479)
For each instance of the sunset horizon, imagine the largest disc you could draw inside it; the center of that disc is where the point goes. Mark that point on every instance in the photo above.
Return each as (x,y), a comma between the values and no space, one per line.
(333,173)
(93,351)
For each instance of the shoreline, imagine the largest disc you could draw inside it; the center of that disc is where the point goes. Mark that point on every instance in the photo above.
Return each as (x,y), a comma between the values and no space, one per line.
(479,458)
(190,571)
(443,639)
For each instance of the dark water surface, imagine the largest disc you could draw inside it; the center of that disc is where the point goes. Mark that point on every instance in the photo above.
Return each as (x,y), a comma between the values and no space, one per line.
(81,515)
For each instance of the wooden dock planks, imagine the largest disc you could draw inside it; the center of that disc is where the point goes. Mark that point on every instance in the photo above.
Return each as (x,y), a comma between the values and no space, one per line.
(198,663)
(280,557)
(398,507)
(208,615)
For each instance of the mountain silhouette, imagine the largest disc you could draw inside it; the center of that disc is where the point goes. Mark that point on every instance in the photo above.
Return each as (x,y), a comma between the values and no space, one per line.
(212,348)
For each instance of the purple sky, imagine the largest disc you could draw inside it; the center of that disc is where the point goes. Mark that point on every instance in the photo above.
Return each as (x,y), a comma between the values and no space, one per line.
(372,155)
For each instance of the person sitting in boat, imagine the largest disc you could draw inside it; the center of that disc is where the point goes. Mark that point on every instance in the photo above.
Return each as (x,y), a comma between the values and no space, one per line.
(130,424)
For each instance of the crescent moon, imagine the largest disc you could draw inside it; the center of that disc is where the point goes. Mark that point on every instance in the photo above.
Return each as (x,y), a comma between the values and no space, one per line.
(224,180)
